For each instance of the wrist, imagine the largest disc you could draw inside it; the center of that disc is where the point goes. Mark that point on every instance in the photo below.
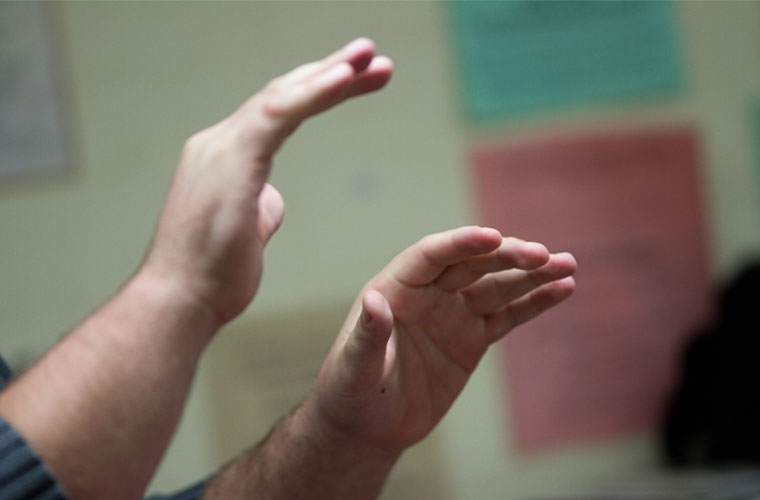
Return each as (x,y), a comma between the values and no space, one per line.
(349,448)
(173,301)
(302,459)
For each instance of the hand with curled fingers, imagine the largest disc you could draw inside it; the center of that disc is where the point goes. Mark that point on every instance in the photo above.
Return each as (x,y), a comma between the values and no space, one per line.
(221,211)
(420,327)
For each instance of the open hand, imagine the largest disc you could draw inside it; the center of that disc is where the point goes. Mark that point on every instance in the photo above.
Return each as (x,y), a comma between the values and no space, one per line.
(420,327)
(221,211)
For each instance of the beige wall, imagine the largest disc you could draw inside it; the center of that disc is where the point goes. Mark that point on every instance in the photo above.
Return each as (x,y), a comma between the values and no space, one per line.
(359,184)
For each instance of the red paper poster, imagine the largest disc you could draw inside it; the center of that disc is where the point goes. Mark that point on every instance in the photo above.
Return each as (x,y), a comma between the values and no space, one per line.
(628,205)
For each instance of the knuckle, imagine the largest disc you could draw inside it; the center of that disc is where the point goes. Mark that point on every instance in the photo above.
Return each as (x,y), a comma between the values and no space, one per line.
(426,241)
(274,84)
(301,70)
(194,144)
(274,104)
(273,108)
(251,128)
(510,244)
(205,147)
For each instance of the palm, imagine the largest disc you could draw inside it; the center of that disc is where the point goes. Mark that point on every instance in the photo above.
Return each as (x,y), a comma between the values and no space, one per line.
(438,343)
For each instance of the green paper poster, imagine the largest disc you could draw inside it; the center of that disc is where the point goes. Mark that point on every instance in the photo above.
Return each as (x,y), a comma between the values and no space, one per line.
(517,57)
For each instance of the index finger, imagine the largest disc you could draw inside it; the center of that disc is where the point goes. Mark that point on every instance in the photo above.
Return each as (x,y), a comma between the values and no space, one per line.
(423,262)
(513,253)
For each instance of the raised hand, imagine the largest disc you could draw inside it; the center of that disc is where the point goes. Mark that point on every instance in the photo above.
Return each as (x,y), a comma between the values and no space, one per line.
(420,327)
(220,211)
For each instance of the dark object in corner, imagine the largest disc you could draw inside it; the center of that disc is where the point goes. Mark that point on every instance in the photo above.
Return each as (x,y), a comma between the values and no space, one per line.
(714,416)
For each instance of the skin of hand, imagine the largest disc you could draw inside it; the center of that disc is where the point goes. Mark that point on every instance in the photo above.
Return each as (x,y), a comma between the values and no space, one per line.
(221,211)
(420,327)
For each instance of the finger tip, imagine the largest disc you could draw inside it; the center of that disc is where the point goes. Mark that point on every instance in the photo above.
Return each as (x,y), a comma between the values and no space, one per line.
(374,77)
(382,63)
(528,255)
(538,250)
(375,304)
(376,315)
(371,297)
(566,286)
(489,230)
(360,53)
(490,235)
(569,261)
(381,70)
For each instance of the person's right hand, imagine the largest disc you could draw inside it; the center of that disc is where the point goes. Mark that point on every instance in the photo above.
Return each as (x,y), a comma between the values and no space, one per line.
(221,211)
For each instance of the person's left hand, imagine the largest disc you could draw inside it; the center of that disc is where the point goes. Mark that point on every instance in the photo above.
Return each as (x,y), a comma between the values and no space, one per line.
(221,211)
(419,329)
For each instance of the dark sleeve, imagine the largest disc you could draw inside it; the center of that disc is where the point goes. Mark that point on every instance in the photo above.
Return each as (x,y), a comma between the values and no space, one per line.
(23,476)
(192,493)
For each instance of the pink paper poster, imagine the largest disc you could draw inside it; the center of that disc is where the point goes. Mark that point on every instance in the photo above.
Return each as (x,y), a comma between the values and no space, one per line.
(629,207)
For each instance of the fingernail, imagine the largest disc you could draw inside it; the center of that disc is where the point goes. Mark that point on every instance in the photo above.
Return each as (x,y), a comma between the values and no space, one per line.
(366,317)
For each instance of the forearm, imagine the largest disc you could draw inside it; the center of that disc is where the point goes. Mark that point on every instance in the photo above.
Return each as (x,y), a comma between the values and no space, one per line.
(100,408)
(298,460)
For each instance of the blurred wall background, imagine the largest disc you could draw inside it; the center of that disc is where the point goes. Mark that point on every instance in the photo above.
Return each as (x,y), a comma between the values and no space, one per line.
(360,184)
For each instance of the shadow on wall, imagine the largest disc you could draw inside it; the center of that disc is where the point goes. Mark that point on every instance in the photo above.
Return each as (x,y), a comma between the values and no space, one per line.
(712,420)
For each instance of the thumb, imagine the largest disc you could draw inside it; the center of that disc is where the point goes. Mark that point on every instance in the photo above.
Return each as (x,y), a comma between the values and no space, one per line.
(363,354)
(271,212)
